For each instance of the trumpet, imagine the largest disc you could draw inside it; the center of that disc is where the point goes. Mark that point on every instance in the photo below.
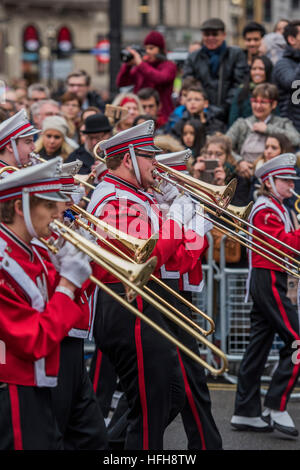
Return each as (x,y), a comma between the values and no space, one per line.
(140,243)
(134,281)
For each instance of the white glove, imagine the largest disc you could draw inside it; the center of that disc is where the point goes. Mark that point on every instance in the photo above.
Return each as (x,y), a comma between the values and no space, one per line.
(181,210)
(197,223)
(170,192)
(72,264)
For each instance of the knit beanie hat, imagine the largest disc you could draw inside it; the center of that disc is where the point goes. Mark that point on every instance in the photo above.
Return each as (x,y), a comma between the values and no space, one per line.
(57,123)
(155,38)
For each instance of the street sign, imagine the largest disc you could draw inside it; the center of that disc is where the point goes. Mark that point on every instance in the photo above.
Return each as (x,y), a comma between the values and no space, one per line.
(102,51)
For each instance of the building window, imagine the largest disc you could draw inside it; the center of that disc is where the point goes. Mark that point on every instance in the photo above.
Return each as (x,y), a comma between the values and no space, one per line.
(295,4)
(268,11)
(144,10)
(249,9)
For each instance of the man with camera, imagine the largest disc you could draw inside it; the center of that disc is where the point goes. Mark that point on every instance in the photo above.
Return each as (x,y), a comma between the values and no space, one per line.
(151,70)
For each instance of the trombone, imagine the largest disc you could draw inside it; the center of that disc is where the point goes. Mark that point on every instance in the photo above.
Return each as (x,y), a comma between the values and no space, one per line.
(177,178)
(134,281)
(141,250)
(141,245)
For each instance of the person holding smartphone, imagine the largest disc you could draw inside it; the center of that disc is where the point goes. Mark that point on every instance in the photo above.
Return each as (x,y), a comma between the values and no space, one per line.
(216,165)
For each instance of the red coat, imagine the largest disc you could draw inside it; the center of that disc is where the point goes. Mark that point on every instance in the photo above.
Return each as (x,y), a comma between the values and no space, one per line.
(31,326)
(271,220)
(159,75)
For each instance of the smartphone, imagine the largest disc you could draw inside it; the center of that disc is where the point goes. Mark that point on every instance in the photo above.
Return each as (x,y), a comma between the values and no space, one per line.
(211,165)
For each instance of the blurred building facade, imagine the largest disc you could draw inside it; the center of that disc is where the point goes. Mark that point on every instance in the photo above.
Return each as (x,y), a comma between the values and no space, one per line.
(29,29)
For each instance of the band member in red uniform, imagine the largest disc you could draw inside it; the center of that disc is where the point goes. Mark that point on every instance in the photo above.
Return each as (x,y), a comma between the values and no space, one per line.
(145,362)
(272,310)
(37,310)
(199,424)
(16,140)
(75,405)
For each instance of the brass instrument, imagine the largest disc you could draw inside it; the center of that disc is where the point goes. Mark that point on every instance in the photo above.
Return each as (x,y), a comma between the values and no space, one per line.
(220,195)
(142,247)
(133,282)
(8,168)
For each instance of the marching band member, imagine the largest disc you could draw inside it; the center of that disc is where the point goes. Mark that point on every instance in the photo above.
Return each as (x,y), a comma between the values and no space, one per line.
(78,414)
(16,140)
(146,364)
(272,310)
(38,307)
(199,424)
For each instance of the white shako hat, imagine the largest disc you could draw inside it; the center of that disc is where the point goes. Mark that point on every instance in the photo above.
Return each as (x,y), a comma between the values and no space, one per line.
(17,126)
(175,160)
(43,181)
(138,137)
(282,166)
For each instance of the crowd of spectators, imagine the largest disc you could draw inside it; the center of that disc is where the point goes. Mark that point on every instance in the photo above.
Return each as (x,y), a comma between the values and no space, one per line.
(235,106)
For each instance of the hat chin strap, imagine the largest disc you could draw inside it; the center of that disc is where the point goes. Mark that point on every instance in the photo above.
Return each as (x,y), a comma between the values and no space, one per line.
(16,153)
(135,164)
(26,212)
(271,179)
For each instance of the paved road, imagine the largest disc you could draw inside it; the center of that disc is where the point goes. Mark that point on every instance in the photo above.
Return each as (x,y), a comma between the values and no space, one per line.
(222,396)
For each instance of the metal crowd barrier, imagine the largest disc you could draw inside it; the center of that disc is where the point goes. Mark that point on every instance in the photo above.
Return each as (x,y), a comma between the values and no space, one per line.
(234,316)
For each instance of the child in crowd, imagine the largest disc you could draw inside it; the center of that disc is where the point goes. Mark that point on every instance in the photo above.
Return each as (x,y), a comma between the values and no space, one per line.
(197,107)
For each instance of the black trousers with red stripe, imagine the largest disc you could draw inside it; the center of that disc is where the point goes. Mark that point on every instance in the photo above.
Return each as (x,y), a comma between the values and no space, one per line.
(77,410)
(104,380)
(146,364)
(27,419)
(272,313)
(199,424)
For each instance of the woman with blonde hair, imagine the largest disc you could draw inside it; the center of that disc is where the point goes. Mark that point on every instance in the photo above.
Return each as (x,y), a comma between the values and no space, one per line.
(52,142)
(134,107)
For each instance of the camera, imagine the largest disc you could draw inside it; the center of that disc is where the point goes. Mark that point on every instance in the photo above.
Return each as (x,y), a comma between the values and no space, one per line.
(126,56)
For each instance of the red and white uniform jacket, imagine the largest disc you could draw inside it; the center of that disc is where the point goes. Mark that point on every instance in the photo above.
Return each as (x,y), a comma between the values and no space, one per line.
(136,212)
(82,327)
(33,317)
(269,215)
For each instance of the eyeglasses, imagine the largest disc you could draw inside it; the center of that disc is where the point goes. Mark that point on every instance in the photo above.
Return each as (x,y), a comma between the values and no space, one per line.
(145,155)
(210,33)
(261,101)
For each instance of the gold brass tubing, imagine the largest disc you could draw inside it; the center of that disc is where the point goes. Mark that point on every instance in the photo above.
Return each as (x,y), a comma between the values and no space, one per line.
(156,279)
(80,242)
(235,237)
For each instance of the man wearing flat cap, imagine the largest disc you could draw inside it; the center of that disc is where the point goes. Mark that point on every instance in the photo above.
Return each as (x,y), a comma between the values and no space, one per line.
(97,128)
(218,67)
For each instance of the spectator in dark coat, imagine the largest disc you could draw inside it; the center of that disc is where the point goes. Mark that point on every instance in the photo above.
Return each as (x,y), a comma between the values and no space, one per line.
(97,127)
(219,68)
(153,70)
(286,75)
